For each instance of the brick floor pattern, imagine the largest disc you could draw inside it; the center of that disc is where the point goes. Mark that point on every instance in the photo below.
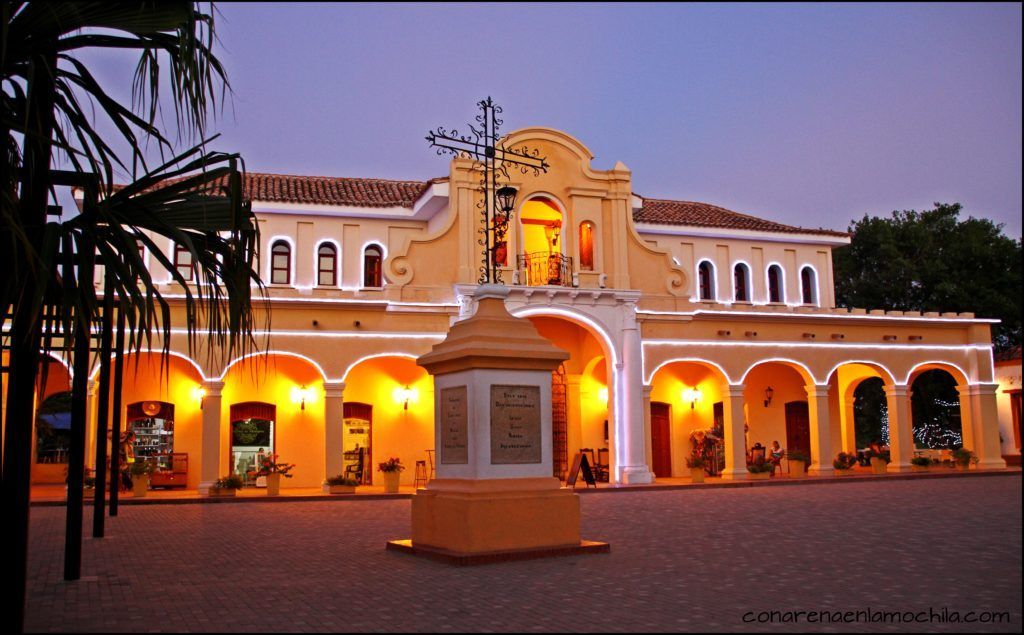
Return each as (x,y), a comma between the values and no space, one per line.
(680,561)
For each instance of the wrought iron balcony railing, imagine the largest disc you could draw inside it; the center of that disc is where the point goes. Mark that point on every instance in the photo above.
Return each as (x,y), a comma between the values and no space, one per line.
(544,268)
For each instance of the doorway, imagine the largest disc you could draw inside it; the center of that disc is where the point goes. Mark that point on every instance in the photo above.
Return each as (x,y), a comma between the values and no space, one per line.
(357,441)
(252,439)
(559,424)
(661,441)
(798,428)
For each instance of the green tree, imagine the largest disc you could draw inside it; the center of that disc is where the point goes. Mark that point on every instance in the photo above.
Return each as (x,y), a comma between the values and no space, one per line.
(50,109)
(933,261)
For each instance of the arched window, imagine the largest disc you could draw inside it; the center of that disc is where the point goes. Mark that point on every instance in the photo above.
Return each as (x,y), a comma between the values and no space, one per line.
(372,274)
(775,284)
(741,283)
(183,262)
(327,265)
(586,246)
(281,263)
(706,275)
(808,286)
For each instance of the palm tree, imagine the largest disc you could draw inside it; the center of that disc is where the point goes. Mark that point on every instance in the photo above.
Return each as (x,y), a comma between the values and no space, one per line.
(50,102)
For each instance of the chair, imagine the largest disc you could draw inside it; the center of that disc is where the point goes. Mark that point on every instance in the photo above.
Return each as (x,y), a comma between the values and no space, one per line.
(430,461)
(354,470)
(420,478)
(601,465)
(757,452)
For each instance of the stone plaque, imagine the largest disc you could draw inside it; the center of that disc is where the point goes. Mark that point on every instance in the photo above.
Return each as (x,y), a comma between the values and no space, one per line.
(515,424)
(454,426)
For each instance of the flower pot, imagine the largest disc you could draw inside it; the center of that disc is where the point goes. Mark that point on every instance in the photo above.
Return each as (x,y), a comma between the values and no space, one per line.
(759,476)
(140,485)
(273,484)
(962,467)
(217,492)
(879,465)
(391,482)
(797,469)
(697,474)
(341,489)
(918,468)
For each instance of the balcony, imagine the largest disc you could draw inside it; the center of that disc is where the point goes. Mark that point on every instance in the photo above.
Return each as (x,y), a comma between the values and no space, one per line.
(544,269)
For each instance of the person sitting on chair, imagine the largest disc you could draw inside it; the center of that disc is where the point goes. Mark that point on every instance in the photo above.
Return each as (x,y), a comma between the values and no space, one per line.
(775,455)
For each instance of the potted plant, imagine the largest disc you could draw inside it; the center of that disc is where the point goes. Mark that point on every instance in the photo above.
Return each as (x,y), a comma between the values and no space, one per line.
(879,462)
(341,484)
(798,464)
(227,485)
(392,470)
(844,463)
(920,464)
(140,471)
(696,464)
(760,470)
(963,459)
(274,469)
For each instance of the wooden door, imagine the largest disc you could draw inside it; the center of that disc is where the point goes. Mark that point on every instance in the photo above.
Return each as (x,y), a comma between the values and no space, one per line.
(559,424)
(798,427)
(661,442)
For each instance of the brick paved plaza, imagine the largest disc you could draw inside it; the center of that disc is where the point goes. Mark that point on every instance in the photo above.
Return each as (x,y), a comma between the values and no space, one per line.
(681,560)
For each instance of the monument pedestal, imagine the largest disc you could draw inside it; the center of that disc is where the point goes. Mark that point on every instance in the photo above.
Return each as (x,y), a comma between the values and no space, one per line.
(495,497)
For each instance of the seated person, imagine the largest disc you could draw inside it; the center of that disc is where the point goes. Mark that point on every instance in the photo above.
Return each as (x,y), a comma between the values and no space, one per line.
(775,455)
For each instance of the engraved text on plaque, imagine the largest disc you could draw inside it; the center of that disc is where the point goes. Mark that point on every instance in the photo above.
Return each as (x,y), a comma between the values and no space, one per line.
(515,424)
(454,426)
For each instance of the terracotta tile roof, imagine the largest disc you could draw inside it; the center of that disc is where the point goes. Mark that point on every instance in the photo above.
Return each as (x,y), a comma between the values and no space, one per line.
(662,212)
(328,190)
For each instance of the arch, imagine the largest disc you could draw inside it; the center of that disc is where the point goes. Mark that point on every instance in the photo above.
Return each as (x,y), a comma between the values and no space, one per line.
(371,271)
(598,328)
(775,283)
(540,235)
(741,287)
(809,291)
(887,375)
(715,366)
(556,136)
(318,263)
(961,376)
(280,262)
(799,367)
(237,360)
(348,369)
(94,373)
(67,367)
(707,288)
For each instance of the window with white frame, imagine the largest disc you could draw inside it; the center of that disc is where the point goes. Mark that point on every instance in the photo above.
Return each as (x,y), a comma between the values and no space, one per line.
(281,263)
(327,265)
(741,283)
(808,286)
(706,279)
(775,284)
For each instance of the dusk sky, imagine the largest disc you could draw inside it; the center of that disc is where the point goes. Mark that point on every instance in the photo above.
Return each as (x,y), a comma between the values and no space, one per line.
(811,115)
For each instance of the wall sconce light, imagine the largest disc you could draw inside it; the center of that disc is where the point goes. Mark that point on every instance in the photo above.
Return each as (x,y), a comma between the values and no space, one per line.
(768,393)
(691,395)
(602,394)
(404,394)
(301,394)
(199,393)
(552,232)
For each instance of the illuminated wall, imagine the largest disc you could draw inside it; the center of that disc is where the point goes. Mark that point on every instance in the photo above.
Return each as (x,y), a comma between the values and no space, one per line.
(671,383)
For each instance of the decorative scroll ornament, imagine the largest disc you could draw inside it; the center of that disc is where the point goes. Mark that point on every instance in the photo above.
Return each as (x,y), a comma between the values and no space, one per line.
(491,157)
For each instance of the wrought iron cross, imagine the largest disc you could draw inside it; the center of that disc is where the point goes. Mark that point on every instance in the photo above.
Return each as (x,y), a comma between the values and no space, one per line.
(486,147)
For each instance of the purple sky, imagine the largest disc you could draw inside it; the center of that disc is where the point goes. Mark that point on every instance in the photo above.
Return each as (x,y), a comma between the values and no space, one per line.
(806,114)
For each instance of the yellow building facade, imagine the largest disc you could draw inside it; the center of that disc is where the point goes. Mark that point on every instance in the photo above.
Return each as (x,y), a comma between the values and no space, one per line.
(676,316)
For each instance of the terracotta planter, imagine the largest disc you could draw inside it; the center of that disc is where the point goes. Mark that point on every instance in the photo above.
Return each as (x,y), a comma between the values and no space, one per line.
(796,469)
(391,482)
(341,489)
(216,492)
(759,476)
(140,485)
(697,474)
(273,484)
(878,465)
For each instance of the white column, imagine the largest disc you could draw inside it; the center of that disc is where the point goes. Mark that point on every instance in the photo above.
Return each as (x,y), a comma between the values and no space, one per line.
(984,423)
(901,427)
(648,442)
(821,439)
(847,424)
(334,413)
(735,440)
(631,446)
(211,459)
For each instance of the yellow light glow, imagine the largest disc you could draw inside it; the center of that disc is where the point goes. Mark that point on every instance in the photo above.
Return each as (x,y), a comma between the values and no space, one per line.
(602,394)
(302,395)
(691,395)
(404,394)
(199,395)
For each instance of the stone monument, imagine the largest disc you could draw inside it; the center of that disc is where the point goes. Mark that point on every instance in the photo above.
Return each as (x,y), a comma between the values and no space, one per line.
(494,497)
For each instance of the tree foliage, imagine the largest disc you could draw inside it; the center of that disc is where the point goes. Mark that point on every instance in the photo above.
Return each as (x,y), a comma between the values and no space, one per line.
(933,261)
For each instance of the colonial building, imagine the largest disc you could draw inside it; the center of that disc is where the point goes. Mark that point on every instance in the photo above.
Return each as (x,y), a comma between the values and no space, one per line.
(677,316)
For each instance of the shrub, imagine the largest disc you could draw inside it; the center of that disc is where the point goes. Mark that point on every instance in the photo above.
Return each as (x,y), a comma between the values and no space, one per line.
(759,467)
(695,461)
(341,479)
(844,461)
(963,456)
(142,468)
(231,481)
(921,461)
(394,464)
(797,455)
